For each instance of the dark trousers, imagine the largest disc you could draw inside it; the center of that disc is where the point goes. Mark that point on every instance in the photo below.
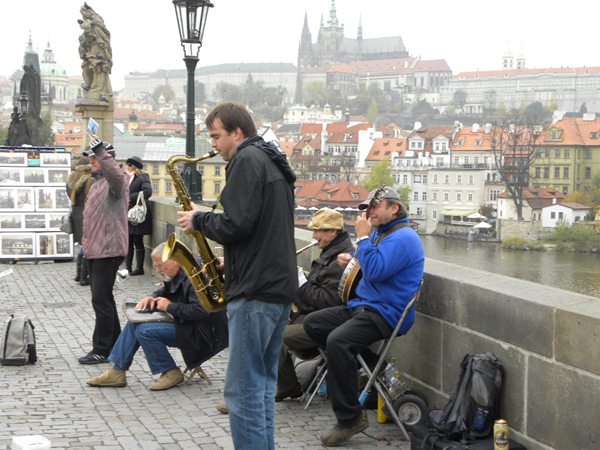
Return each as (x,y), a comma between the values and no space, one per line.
(136,244)
(345,333)
(296,340)
(102,279)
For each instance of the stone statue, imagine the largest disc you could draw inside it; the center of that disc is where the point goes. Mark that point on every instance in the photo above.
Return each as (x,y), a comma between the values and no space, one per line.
(96,55)
(18,134)
(31,85)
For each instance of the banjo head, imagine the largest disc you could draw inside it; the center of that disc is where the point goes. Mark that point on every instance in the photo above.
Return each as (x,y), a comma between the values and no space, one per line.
(349,280)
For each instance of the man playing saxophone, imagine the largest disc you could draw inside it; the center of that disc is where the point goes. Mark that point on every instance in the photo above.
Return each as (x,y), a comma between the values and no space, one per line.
(256,229)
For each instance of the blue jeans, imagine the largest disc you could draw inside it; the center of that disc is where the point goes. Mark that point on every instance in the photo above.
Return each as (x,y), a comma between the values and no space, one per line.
(255,340)
(154,337)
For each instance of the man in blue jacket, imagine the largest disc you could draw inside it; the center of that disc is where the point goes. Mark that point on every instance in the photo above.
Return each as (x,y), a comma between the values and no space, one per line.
(392,260)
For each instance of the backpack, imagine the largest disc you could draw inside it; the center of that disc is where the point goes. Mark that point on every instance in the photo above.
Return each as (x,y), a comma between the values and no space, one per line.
(18,342)
(473,405)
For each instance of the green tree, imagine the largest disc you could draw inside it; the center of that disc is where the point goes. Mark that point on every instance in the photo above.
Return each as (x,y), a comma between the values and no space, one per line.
(459,99)
(405,195)
(228,92)
(199,92)
(535,114)
(373,111)
(315,93)
(167,92)
(46,132)
(3,135)
(423,109)
(380,175)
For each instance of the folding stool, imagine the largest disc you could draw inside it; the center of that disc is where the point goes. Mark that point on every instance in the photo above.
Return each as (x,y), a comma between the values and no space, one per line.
(381,355)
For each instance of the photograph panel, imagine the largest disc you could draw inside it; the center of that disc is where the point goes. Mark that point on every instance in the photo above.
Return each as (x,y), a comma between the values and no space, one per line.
(17,244)
(34,175)
(55,159)
(13,159)
(11,222)
(10,176)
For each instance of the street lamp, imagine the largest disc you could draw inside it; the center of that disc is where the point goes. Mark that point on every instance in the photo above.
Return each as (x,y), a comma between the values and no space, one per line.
(191,20)
(23,104)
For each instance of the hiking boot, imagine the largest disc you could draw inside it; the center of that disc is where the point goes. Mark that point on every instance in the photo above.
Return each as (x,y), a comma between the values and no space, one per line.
(93,358)
(294,392)
(339,435)
(167,380)
(110,378)
(222,408)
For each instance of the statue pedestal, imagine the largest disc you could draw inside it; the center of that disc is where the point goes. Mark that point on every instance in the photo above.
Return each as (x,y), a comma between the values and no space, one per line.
(103,113)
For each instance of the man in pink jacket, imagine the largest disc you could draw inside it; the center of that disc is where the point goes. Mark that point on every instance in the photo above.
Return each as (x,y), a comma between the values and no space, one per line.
(105,237)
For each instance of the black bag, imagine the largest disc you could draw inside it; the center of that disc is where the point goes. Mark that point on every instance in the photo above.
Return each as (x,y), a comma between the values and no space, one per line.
(473,405)
(18,342)
(422,437)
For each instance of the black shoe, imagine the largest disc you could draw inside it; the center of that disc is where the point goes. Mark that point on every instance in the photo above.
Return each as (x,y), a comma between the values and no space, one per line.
(294,392)
(137,272)
(93,358)
(77,279)
(85,282)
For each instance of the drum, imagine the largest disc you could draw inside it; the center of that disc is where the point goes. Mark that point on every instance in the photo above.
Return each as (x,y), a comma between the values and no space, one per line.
(349,280)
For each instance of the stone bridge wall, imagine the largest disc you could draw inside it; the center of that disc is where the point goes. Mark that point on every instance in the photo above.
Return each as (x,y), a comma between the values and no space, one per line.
(546,338)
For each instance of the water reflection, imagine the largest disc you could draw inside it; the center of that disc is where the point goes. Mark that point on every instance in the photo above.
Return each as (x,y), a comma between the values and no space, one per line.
(577,272)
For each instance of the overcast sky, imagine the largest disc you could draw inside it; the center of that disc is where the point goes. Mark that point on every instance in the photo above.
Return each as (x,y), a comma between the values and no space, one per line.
(469,35)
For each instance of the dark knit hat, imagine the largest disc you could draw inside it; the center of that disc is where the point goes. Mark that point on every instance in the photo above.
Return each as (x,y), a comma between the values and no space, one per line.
(135,161)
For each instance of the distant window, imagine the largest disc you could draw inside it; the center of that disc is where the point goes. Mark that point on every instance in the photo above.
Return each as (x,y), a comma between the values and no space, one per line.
(434,214)
(169,187)
(424,196)
(217,171)
(557,153)
(155,169)
(459,197)
(435,179)
(588,172)
(217,188)
(446,179)
(405,179)
(546,172)
(471,179)
(458,179)
(155,186)
(435,196)
(560,215)
(557,172)
(415,196)
(470,197)
(417,178)
(567,153)
(565,172)
(538,172)
(446,196)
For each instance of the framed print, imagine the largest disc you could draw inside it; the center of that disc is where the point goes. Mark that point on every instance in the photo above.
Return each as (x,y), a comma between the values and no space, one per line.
(64,244)
(7,199)
(57,176)
(55,159)
(45,199)
(62,199)
(35,221)
(54,244)
(10,176)
(34,175)
(13,158)
(25,199)
(11,222)
(17,245)
(53,221)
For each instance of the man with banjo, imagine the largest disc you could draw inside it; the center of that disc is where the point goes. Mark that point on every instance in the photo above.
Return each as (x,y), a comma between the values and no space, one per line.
(391,259)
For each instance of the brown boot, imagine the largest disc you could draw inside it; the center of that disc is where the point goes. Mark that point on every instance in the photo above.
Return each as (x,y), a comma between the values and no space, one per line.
(167,380)
(339,435)
(222,408)
(294,392)
(110,378)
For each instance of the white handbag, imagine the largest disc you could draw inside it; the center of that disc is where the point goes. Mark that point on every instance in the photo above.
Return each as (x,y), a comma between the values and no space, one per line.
(137,214)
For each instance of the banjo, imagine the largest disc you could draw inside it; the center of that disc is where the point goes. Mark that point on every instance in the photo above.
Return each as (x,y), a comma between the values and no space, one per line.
(353,273)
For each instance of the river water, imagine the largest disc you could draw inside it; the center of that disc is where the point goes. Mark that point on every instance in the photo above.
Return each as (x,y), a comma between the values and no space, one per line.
(578,272)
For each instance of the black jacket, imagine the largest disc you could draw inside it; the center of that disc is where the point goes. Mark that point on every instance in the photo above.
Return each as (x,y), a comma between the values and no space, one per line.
(200,334)
(141,182)
(321,287)
(256,228)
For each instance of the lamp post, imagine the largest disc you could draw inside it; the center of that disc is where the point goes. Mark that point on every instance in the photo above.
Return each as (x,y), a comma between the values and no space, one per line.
(23,104)
(191,20)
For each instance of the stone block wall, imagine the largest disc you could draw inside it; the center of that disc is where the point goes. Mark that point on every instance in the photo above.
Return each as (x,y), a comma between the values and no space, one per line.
(546,338)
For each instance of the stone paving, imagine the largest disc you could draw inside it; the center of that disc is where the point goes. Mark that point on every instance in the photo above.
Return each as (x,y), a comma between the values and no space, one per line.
(52,399)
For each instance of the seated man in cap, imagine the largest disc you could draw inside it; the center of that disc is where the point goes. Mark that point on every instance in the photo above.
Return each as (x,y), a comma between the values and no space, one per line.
(318,292)
(391,257)
(199,334)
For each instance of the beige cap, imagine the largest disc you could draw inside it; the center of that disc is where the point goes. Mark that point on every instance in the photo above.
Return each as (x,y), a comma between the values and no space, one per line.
(326,219)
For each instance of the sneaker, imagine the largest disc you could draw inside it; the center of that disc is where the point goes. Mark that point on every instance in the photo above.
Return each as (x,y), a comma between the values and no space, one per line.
(93,358)
(294,392)
(167,380)
(339,435)
(222,408)
(110,378)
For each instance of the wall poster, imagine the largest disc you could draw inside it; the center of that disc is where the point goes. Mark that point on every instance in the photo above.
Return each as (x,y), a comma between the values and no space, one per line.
(33,200)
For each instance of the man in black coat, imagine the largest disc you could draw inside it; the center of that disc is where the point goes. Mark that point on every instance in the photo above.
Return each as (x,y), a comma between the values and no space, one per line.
(199,334)
(319,291)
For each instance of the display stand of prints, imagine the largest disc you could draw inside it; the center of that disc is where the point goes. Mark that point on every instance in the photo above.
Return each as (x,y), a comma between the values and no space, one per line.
(137,214)
(33,202)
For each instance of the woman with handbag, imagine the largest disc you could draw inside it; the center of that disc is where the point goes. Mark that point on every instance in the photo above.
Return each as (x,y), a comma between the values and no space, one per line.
(78,185)
(139,182)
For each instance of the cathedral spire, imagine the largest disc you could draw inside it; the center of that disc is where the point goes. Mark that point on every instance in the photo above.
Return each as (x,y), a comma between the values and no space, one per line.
(359,35)
(333,21)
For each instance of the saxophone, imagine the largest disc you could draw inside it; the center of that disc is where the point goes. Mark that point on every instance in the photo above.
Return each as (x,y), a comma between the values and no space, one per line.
(206,280)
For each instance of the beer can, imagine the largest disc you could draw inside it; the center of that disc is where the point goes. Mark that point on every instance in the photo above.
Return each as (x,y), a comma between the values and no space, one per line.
(500,435)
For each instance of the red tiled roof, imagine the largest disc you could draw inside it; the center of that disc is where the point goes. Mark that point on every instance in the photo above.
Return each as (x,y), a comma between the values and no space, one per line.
(383,147)
(319,192)
(573,131)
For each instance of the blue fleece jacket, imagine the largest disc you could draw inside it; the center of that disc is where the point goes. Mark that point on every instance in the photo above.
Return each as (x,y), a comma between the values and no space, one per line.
(391,273)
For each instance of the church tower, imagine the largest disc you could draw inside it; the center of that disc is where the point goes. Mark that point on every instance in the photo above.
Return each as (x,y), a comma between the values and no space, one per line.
(507,58)
(305,52)
(330,37)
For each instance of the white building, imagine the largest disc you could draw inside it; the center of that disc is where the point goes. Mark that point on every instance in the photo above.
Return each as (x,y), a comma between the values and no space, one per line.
(566,213)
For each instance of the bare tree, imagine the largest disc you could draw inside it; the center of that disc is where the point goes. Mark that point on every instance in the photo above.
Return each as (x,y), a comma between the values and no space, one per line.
(513,147)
